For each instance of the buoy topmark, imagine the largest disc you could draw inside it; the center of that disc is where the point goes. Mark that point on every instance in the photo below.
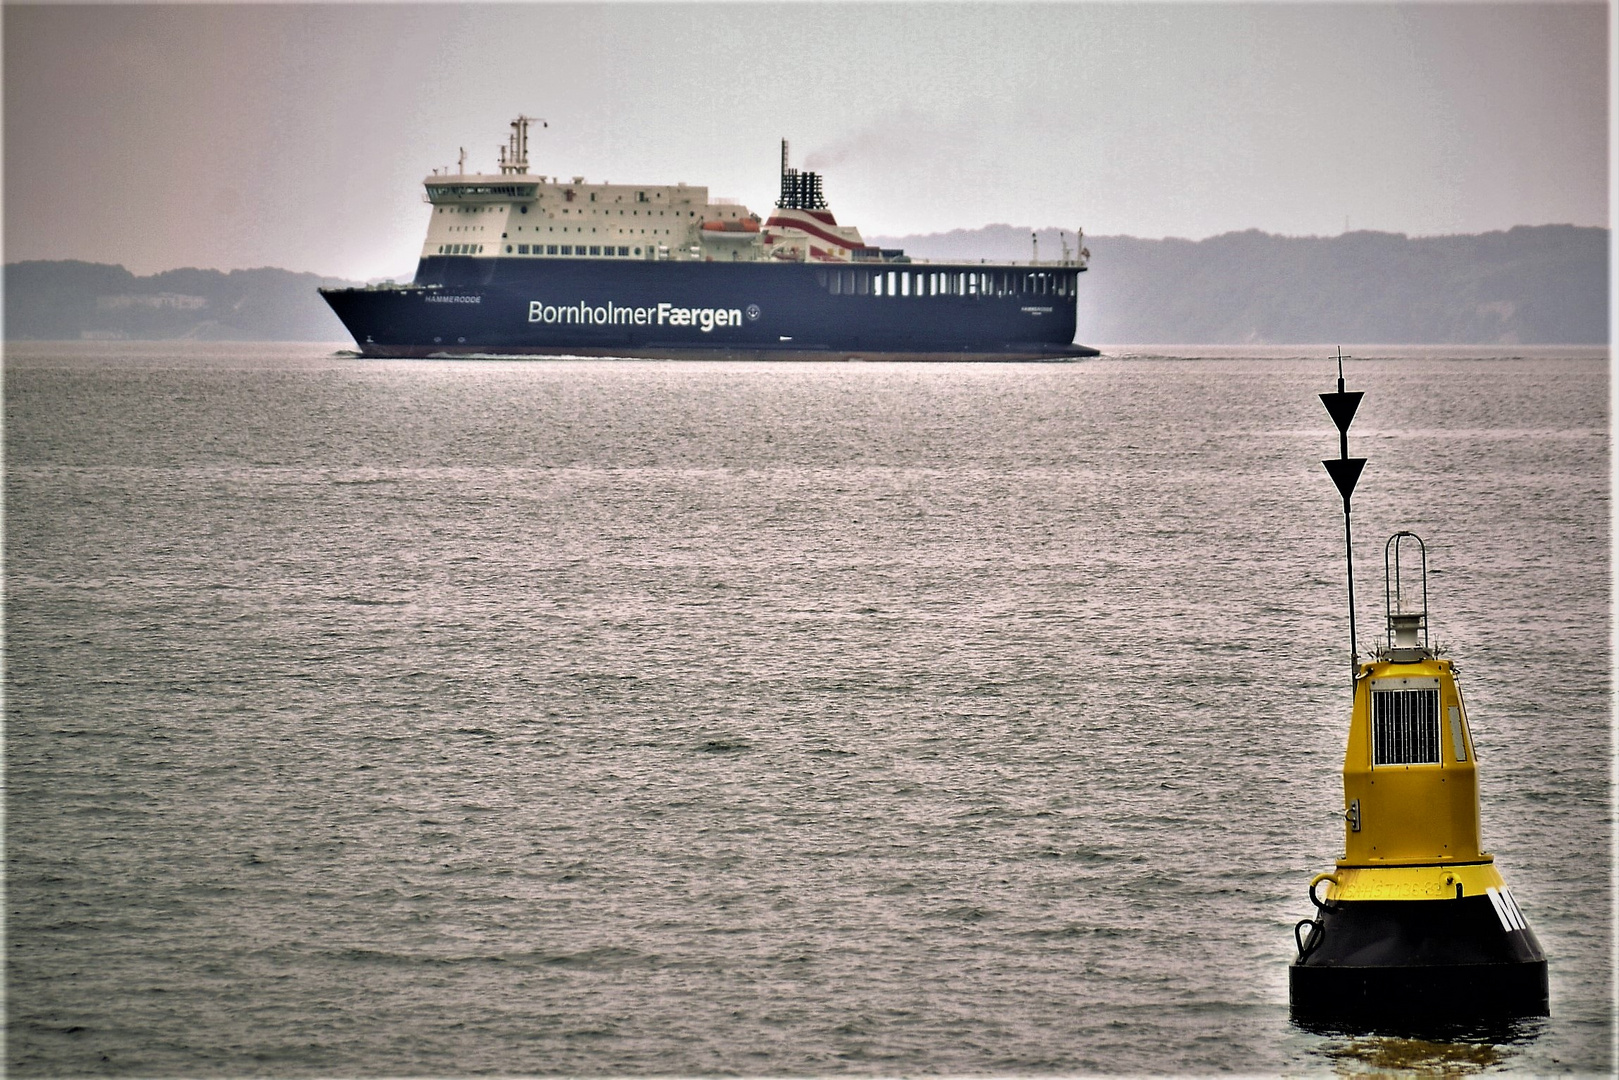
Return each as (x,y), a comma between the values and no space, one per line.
(1415,924)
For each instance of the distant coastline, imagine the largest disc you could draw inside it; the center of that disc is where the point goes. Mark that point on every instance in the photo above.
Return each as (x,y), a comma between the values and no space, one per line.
(1540,285)
(71,300)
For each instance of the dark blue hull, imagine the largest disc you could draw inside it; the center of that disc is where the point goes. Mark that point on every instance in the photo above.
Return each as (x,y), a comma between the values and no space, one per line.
(461,305)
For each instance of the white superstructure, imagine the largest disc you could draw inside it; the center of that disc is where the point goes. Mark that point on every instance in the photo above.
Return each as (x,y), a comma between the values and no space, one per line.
(517,213)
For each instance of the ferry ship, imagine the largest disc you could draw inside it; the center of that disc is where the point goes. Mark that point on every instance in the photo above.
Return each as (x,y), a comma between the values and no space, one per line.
(518,263)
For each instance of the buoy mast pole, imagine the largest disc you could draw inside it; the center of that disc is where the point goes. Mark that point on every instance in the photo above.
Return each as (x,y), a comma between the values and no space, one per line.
(1349,570)
(1345,471)
(1349,547)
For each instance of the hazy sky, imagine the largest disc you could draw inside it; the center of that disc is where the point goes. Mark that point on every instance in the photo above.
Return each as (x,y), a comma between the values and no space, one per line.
(288,135)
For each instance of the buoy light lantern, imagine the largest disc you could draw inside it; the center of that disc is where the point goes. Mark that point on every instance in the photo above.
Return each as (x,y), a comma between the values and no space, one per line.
(1416,924)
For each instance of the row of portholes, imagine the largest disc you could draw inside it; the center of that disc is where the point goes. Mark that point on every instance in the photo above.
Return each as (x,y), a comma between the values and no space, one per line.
(460,249)
(570,249)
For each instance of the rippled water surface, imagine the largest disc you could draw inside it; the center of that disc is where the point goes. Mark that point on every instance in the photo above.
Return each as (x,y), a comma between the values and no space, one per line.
(532,717)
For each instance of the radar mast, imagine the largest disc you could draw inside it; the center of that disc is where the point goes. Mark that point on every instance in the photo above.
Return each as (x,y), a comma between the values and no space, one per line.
(514,155)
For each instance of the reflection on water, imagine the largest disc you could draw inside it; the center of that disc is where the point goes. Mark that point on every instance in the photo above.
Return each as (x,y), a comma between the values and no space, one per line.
(1457,1052)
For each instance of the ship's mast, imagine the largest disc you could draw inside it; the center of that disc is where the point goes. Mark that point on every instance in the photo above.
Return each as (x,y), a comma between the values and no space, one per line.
(514,155)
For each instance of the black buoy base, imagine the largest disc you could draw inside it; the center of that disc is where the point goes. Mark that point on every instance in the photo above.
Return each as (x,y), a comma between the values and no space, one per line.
(1418,995)
(1416,963)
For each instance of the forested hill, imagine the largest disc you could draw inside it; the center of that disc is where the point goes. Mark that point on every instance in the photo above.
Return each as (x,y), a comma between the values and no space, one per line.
(63,300)
(1530,285)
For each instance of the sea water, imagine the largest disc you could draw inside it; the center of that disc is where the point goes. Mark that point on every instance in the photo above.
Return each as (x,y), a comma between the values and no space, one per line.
(417,717)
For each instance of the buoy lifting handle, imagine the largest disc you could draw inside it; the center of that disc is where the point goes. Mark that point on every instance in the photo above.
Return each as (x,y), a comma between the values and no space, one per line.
(1318,879)
(1307,945)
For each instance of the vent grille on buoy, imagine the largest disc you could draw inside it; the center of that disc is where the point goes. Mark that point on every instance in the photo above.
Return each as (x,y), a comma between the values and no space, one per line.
(1405,727)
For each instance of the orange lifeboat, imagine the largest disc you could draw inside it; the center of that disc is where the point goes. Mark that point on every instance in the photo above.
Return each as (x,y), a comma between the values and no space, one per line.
(742,225)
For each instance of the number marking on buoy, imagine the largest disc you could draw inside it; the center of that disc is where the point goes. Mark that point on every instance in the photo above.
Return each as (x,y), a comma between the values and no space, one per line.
(1505,909)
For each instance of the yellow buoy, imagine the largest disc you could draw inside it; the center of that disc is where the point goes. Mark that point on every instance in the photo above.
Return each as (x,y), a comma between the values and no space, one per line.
(1416,922)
